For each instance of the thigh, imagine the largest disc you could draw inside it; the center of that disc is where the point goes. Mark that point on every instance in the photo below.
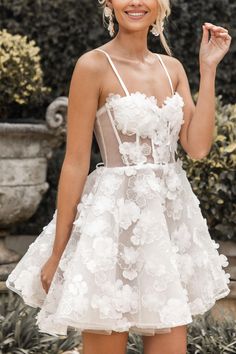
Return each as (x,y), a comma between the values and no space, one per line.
(114,343)
(174,342)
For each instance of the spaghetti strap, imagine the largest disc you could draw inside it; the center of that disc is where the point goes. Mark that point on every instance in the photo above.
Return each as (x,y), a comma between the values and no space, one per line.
(167,73)
(115,71)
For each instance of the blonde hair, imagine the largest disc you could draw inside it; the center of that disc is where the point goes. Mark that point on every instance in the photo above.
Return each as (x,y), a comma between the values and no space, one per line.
(163,13)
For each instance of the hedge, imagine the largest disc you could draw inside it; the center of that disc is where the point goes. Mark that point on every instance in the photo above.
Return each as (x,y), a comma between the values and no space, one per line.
(64,30)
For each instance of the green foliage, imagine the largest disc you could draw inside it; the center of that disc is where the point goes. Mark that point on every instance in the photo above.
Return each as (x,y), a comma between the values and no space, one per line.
(213,178)
(210,336)
(19,332)
(64,30)
(21,77)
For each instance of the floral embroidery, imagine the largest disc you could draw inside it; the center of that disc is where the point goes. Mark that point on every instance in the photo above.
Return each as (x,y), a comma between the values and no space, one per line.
(143,187)
(26,277)
(139,253)
(173,310)
(102,254)
(103,204)
(147,229)
(128,212)
(185,266)
(137,114)
(118,298)
(77,285)
(182,238)
(110,183)
(136,152)
(140,115)
(97,226)
(131,261)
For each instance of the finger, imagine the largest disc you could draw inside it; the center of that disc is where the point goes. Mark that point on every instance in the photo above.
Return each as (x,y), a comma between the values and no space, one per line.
(44,287)
(205,35)
(217,31)
(224,36)
(215,28)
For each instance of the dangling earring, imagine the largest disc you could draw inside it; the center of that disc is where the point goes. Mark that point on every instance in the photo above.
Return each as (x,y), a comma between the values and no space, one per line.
(155,31)
(108,13)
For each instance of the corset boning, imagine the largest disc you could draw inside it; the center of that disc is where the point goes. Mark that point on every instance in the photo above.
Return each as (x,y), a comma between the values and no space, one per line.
(122,143)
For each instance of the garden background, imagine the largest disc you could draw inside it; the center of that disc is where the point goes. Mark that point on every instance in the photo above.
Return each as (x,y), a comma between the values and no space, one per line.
(64,30)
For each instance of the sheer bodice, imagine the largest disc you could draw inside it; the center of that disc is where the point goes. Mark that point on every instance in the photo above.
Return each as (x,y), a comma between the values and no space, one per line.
(133,129)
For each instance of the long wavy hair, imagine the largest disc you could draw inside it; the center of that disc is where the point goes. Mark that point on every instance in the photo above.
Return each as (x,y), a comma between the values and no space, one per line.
(163,13)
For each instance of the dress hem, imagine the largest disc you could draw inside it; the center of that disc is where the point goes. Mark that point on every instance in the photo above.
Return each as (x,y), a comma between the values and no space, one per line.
(94,327)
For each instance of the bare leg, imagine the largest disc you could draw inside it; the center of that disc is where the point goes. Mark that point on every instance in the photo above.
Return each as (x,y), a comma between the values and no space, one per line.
(174,342)
(114,343)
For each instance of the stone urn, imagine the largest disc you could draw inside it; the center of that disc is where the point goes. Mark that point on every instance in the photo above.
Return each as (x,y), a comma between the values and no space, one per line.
(24,153)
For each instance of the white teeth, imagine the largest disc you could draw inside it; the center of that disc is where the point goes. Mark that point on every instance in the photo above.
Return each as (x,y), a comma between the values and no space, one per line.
(136,13)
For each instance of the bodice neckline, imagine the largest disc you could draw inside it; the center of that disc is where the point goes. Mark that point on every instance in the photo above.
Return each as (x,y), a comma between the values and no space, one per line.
(120,97)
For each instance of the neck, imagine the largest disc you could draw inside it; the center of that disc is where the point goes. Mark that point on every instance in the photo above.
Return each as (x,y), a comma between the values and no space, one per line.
(133,45)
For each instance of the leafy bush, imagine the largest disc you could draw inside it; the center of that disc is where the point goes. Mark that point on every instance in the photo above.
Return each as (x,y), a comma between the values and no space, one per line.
(64,30)
(211,336)
(21,77)
(19,332)
(213,178)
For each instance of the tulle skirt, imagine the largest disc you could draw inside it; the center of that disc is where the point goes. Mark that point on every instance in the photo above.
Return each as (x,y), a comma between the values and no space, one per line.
(140,257)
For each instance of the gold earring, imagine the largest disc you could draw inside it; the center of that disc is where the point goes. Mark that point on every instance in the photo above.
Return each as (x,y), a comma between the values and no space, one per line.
(109,13)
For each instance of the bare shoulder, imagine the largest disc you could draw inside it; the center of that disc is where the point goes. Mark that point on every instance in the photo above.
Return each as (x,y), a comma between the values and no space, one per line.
(173,64)
(91,62)
(174,67)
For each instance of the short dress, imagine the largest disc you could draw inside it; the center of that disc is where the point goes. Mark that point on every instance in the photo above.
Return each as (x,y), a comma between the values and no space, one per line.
(140,257)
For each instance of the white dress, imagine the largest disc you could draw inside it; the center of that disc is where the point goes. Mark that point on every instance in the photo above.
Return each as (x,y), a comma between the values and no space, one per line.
(140,257)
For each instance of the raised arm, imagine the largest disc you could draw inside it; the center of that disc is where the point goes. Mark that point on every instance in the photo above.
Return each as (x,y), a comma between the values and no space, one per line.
(82,105)
(196,135)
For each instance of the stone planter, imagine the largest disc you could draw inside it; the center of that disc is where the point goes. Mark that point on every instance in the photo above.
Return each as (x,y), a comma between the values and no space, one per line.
(24,152)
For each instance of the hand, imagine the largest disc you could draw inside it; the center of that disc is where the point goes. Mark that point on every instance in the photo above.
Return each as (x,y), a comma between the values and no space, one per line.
(214,49)
(47,272)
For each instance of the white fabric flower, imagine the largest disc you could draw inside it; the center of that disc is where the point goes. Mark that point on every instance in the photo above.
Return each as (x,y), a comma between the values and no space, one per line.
(148,229)
(223,260)
(128,212)
(136,153)
(110,183)
(182,237)
(130,260)
(77,285)
(118,298)
(142,187)
(101,256)
(28,281)
(185,266)
(103,204)
(138,113)
(97,227)
(173,310)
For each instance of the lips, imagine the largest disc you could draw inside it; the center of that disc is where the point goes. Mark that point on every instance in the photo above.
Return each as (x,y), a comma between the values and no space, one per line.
(136,14)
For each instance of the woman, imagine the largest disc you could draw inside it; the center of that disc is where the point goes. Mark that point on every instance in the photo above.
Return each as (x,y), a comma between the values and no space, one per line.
(139,257)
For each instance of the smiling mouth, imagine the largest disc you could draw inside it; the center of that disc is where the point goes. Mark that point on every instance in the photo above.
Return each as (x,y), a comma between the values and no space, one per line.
(135,15)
